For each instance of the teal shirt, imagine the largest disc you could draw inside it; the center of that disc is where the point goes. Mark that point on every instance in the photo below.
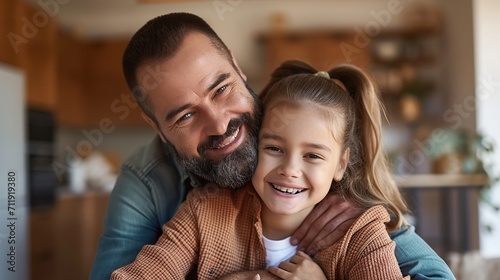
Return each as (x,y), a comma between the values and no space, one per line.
(150,188)
(416,258)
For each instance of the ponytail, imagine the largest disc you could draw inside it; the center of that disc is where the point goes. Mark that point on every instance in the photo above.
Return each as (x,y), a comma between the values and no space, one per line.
(369,178)
(367,108)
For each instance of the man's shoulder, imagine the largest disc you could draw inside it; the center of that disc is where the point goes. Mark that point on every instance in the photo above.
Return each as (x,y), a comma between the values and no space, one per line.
(150,178)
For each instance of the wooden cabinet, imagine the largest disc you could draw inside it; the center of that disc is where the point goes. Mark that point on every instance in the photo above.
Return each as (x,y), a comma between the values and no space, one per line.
(71,108)
(64,238)
(321,49)
(11,11)
(39,60)
(29,41)
(91,86)
(80,81)
(107,93)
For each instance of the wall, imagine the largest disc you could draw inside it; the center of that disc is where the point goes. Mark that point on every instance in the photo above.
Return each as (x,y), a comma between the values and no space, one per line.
(487,75)
(460,65)
(459,61)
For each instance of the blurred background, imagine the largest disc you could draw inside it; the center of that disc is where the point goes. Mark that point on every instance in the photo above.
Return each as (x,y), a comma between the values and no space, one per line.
(435,63)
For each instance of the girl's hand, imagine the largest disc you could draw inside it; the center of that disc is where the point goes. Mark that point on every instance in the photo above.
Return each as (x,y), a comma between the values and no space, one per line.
(300,266)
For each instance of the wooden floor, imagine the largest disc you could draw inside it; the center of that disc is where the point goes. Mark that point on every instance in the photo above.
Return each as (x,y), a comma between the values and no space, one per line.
(64,237)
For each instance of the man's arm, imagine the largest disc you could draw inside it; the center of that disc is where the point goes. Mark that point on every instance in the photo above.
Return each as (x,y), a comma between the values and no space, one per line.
(130,223)
(416,258)
(174,254)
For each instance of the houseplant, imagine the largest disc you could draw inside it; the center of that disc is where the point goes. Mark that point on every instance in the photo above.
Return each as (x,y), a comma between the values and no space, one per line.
(458,152)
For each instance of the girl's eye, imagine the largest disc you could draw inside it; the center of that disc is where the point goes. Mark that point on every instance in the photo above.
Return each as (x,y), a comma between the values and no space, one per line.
(313,156)
(273,148)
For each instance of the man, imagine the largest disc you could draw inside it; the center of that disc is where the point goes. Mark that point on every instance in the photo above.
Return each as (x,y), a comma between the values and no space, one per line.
(194,95)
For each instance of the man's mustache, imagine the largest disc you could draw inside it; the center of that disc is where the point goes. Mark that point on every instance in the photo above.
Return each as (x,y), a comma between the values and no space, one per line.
(214,140)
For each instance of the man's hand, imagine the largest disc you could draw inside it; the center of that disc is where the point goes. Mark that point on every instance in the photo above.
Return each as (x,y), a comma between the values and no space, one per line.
(328,222)
(300,266)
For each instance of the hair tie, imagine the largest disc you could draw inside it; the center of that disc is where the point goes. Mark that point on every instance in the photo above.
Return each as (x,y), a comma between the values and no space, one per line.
(322,74)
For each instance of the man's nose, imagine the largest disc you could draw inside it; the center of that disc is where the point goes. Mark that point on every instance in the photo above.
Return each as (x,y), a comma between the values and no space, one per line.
(216,122)
(290,168)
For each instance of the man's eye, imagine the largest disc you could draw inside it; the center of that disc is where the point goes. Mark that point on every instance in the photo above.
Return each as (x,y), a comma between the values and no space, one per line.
(184,117)
(221,89)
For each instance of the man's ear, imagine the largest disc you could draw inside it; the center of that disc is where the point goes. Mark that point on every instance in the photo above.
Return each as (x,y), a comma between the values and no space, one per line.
(344,160)
(237,66)
(153,125)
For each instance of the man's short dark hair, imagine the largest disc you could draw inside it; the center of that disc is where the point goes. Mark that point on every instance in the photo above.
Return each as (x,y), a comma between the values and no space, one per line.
(160,39)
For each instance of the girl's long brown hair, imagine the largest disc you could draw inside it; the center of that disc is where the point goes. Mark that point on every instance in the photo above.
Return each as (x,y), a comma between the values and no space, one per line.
(349,95)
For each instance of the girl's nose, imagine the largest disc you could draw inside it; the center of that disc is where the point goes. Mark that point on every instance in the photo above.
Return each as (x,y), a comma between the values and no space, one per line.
(289,168)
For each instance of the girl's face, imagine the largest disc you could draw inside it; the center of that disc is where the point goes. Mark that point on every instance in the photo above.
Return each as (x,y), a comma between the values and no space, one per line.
(298,158)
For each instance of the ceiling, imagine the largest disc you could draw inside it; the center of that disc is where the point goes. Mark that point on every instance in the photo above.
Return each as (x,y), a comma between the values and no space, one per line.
(116,18)
(95,19)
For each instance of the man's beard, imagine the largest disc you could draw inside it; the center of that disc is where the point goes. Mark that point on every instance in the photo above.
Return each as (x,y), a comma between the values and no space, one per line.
(237,167)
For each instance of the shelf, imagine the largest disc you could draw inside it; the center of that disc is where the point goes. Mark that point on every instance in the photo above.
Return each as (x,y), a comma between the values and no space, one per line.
(418,31)
(441,180)
(418,61)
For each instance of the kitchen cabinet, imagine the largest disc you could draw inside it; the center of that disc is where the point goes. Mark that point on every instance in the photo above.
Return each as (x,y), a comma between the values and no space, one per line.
(11,11)
(39,59)
(107,93)
(64,237)
(71,109)
(322,49)
(30,43)
(91,86)
(80,81)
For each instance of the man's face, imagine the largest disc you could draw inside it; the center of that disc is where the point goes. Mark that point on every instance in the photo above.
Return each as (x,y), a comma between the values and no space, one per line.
(204,111)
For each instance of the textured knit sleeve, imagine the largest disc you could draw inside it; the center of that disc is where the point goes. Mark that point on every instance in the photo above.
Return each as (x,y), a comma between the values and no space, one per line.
(370,250)
(174,254)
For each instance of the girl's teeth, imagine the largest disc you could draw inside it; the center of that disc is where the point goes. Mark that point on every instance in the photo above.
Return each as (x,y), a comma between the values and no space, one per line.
(287,190)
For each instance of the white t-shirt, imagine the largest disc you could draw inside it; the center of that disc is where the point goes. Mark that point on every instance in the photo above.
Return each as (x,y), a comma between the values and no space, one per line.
(278,251)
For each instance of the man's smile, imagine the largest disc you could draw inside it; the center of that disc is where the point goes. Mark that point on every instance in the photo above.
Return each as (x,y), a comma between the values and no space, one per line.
(230,139)
(227,145)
